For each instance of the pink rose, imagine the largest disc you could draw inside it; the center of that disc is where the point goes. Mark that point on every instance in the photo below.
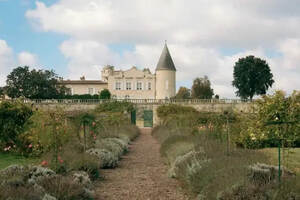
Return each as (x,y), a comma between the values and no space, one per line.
(44,163)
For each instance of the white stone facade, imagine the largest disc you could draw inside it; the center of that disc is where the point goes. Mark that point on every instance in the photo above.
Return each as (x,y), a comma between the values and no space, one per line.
(133,83)
(130,84)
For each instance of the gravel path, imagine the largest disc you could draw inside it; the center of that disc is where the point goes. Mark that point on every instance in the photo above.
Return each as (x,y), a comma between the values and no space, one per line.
(141,175)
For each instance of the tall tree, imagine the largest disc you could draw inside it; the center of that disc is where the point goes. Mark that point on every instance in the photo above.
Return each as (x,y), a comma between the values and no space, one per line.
(201,88)
(183,93)
(251,76)
(34,84)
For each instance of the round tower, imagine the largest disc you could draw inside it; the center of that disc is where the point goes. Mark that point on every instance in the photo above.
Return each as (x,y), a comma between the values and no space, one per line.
(165,76)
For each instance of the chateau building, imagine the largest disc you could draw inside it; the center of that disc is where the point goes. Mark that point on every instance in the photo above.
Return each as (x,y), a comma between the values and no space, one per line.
(132,83)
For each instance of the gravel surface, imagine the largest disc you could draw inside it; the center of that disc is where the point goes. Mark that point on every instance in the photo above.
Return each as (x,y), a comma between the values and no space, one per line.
(141,175)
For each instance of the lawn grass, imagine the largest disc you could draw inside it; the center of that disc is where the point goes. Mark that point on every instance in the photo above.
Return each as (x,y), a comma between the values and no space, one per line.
(291,158)
(10,159)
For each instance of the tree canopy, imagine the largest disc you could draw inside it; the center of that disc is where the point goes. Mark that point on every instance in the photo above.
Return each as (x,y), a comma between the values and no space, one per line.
(275,120)
(1,91)
(183,93)
(201,88)
(251,76)
(105,94)
(34,84)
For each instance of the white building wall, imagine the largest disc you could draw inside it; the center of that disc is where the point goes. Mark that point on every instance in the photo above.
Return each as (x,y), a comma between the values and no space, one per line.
(165,84)
(133,76)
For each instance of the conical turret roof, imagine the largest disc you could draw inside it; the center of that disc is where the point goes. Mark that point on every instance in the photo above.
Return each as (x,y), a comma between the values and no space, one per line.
(165,61)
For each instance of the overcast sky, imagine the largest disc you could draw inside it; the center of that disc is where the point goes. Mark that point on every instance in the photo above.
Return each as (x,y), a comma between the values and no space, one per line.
(205,37)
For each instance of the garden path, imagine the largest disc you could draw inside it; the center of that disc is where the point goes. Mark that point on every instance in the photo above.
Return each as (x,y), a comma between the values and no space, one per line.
(140,176)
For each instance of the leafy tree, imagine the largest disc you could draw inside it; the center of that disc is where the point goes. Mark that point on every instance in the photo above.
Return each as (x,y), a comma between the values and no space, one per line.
(105,94)
(252,76)
(282,116)
(183,93)
(1,92)
(201,88)
(275,120)
(34,84)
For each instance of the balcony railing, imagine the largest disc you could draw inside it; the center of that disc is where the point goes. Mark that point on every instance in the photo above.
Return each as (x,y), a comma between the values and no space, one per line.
(135,101)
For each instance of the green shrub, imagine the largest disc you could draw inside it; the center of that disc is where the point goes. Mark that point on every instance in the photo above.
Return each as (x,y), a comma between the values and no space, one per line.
(82,96)
(287,190)
(27,192)
(111,146)
(106,158)
(83,162)
(122,143)
(262,174)
(82,178)
(16,182)
(13,116)
(176,146)
(111,120)
(105,94)
(47,130)
(200,162)
(181,163)
(14,175)
(161,133)
(66,188)
(164,111)
(275,120)
(125,132)
(85,123)
(38,173)
(130,131)
(88,164)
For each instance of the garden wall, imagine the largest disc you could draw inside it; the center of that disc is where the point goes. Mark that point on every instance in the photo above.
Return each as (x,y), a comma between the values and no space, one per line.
(202,107)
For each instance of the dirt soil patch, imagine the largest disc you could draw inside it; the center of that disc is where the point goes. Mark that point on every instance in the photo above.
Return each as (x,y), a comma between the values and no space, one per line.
(141,175)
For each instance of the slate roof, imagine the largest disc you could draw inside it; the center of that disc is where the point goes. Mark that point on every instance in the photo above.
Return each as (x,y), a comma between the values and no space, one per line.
(165,61)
